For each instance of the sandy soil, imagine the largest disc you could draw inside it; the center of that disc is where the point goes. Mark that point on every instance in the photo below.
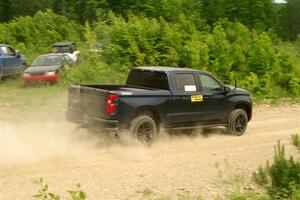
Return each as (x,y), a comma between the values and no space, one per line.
(207,163)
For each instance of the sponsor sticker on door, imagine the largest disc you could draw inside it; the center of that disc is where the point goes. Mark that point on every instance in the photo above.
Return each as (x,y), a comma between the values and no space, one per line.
(196,98)
(190,88)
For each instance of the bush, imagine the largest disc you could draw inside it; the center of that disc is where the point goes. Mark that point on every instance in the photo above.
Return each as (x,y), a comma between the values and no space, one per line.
(44,194)
(298,43)
(35,35)
(282,177)
(94,70)
(231,51)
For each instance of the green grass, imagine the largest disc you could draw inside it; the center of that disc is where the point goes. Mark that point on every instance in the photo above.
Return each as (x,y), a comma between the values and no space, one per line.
(31,102)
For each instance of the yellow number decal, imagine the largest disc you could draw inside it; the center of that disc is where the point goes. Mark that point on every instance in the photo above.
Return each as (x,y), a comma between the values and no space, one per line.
(196,98)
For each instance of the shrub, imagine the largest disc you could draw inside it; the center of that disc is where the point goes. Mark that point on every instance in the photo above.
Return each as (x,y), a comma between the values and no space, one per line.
(35,35)
(94,70)
(298,43)
(44,194)
(231,51)
(282,177)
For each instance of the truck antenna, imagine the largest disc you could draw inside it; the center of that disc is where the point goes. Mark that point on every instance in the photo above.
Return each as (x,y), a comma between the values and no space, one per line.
(235,83)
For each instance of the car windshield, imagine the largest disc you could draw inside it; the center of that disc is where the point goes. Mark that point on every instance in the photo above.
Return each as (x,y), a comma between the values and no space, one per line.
(65,49)
(47,61)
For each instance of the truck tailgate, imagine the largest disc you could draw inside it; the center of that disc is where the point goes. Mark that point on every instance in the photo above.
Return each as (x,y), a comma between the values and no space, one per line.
(87,102)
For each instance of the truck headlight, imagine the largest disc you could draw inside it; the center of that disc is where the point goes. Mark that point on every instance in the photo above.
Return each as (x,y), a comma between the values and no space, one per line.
(51,73)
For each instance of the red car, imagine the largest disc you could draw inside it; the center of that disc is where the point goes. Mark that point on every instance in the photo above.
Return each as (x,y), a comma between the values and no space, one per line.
(46,68)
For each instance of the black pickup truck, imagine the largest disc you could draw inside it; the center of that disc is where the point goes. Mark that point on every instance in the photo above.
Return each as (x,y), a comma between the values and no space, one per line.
(161,97)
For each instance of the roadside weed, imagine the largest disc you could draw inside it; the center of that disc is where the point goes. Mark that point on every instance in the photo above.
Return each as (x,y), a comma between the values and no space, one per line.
(44,194)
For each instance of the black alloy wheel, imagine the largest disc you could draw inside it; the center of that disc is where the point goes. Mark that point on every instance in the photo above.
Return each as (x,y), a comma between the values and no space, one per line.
(144,129)
(237,122)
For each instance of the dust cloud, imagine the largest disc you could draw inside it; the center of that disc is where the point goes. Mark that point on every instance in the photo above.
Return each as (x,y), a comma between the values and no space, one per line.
(27,142)
(116,168)
(32,141)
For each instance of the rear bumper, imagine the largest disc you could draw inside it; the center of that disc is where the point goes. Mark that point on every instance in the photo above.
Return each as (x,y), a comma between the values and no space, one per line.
(43,78)
(106,124)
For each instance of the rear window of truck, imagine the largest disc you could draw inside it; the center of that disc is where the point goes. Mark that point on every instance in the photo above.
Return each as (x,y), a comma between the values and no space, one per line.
(149,79)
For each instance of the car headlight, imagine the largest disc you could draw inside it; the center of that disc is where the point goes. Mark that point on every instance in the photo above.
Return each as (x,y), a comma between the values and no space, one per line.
(50,73)
(26,74)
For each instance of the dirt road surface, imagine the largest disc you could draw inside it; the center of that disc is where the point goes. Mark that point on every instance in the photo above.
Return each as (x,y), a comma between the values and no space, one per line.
(208,164)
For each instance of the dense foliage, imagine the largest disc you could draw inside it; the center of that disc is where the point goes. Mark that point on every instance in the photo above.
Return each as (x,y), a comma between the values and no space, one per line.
(231,51)
(284,19)
(223,37)
(34,35)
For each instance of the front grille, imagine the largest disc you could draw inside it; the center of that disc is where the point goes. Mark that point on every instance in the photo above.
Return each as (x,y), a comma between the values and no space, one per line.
(37,73)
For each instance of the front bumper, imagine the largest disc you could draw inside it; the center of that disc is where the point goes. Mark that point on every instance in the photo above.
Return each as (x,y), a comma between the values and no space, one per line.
(42,78)
(106,124)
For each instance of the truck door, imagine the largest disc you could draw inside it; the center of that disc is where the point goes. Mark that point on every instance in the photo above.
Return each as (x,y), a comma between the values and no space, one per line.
(16,62)
(9,60)
(214,104)
(186,98)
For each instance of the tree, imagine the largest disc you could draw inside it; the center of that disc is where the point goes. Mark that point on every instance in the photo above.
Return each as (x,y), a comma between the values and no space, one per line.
(257,14)
(291,19)
(5,10)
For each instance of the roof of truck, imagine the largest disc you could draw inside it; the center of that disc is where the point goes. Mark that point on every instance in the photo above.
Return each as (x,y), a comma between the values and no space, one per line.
(62,44)
(4,45)
(166,69)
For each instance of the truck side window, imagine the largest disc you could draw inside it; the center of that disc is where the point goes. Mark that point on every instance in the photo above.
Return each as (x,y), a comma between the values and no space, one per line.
(6,51)
(185,82)
(150,79)
(209,84)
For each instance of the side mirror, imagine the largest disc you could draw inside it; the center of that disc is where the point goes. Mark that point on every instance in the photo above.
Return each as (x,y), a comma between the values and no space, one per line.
(17,53)
(227,89)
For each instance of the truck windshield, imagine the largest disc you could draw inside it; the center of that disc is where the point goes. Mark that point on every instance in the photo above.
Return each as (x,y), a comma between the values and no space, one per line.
(150,79)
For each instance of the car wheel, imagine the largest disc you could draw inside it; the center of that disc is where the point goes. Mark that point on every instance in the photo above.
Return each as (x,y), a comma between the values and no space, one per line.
(144,129)
(237,123)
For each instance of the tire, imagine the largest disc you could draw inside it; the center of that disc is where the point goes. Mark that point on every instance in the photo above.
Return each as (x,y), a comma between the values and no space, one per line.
(237,123)
(144,129)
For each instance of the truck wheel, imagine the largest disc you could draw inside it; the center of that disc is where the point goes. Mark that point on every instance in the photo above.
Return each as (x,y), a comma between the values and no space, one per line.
(237,123)
(144,129)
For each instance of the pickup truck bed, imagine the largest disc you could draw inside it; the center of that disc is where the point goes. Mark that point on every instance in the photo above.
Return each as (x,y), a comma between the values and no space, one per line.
(160,97)
(88,103)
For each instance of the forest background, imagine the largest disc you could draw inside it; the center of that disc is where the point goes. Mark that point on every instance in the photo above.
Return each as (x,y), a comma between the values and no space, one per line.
(256,42)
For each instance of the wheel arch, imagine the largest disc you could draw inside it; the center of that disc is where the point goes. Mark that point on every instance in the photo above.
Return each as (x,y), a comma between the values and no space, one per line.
(247,108)
(149,111)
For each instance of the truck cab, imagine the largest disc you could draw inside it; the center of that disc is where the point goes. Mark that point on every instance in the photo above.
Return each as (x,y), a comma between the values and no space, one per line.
(11,62)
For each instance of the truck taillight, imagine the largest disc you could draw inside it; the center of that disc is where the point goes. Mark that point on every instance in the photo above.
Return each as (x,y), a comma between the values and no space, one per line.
(110,105)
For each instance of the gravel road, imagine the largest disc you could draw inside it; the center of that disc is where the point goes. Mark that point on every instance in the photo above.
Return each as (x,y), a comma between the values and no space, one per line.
(209,163)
